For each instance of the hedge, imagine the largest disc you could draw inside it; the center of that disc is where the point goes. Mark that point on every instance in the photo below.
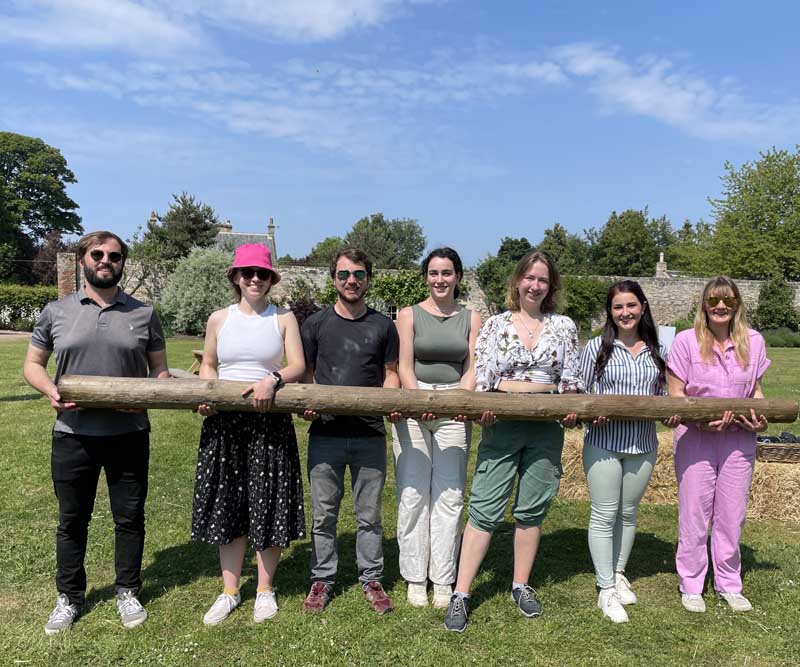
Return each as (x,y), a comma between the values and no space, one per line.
(20,305)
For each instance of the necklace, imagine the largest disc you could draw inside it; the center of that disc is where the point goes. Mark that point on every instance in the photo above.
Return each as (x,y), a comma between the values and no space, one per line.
(525,326)
(435,306)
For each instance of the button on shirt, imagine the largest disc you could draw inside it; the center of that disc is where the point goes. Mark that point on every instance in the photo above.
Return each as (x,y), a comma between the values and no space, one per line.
(722,376)
(624,374)
(92,340)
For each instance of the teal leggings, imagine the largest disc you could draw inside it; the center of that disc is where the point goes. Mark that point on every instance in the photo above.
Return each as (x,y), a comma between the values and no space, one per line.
(617,483)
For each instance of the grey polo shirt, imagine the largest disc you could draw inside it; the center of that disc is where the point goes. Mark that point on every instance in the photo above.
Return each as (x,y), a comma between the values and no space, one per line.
(90,340)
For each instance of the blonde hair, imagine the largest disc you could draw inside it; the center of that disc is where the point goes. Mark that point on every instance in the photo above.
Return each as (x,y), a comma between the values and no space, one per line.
(737,328)
(529,259)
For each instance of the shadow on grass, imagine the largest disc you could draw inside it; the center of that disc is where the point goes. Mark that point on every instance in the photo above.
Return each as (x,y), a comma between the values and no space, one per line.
(23,397)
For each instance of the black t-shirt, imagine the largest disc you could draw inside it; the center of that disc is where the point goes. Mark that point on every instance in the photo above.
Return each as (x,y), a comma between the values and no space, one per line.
(352,353)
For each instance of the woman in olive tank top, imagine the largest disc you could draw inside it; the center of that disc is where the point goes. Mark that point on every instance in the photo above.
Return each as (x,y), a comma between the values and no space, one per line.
(437,345)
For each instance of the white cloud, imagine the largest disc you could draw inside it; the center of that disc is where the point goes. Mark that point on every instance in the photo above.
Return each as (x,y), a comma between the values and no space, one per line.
(655,88)
(101,25)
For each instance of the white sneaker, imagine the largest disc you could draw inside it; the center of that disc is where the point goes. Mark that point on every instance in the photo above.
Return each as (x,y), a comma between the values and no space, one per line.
(623,587)
(609,603)
(266,606)
(736,601)
(693,602)
(417,595)
(221,609)
(441,595)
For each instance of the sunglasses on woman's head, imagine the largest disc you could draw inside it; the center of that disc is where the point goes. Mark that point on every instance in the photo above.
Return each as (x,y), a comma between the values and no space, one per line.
(113,257)
(248,272)
(729,301)
(358,274)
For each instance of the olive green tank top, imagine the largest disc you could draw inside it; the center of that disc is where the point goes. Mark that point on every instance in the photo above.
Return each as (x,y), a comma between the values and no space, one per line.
(441,344)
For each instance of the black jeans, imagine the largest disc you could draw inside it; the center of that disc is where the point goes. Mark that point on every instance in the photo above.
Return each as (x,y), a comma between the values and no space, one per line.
(76,462)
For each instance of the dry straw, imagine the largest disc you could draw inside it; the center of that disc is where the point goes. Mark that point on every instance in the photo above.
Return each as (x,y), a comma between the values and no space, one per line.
(775,493)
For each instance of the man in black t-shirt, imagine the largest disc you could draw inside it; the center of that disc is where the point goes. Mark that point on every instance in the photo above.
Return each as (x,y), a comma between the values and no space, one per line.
(352,345)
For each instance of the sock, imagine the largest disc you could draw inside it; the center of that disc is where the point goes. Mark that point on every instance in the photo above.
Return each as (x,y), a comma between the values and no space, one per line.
(264,589)
(233,592)
(515,585)
(463,596)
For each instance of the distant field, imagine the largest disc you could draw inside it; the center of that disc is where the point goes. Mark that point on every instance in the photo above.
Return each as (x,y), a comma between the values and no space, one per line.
(181,577)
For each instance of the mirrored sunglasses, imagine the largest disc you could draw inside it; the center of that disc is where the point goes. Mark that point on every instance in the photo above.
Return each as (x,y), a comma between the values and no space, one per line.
(358,274)
(729,301)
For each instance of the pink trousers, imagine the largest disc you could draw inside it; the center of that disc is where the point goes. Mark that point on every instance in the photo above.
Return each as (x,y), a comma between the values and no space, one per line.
(714,472)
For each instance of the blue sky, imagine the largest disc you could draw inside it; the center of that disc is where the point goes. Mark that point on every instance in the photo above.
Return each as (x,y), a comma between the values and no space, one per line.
(479,119)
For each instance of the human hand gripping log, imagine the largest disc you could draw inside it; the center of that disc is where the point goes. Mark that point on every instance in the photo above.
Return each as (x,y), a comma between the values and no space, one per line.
(188,393)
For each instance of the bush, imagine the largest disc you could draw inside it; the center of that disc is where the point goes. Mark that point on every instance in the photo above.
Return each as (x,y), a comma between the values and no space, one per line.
(682,325)
(583,299)
(783,337)
(775,308)
(196,288)
(21,305)
(400,289)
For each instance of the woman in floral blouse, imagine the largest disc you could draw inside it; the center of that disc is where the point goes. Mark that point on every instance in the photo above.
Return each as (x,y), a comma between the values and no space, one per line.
(526,349)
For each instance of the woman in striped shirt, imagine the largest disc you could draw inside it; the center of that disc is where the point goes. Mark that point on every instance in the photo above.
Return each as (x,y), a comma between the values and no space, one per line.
(618,456)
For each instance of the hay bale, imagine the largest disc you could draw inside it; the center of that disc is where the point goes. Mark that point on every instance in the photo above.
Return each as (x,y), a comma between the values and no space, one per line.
(775,493)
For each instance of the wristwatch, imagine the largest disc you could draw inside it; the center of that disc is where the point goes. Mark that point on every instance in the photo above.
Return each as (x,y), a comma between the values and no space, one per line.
(278,379)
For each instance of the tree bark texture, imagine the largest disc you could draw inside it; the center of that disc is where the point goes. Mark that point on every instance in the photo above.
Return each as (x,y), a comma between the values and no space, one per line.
(187,393)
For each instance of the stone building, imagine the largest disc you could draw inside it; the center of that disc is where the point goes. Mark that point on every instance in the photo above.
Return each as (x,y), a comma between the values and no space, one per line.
(228,240)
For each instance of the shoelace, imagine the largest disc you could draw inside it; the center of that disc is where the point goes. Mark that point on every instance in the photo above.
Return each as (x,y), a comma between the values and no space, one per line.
(130,605)
(527,594)
(612,597)
(458,605)
(62,612)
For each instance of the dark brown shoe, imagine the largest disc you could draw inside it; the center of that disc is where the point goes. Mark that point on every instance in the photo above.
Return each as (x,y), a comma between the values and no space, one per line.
(377,597)
(318,597)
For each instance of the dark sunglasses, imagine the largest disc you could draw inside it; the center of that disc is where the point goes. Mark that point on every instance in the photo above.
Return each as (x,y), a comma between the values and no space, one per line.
(358,274)
(113,257)
(248,272)
(729,301)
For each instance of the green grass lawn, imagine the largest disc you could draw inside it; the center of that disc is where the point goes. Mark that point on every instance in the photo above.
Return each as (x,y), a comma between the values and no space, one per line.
(181,577)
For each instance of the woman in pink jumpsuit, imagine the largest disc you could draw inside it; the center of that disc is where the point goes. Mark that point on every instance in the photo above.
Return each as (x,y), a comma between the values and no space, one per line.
(720,357)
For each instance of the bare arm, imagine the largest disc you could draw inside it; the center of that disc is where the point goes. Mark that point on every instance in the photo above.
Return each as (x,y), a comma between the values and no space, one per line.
(157,363)
(209,364)
(405,330)
(391,378)
(34,368)
(295,368)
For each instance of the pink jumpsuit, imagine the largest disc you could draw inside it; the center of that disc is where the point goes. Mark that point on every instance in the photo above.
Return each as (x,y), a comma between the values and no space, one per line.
(714,469)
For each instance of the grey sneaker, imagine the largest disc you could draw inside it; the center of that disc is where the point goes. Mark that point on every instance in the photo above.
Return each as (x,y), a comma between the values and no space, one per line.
(62,617)
(455,620)
(221,609)
(527,602)
(131,612)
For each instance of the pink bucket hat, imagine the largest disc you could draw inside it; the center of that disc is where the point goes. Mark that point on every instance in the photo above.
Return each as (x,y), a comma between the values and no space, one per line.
(255,254)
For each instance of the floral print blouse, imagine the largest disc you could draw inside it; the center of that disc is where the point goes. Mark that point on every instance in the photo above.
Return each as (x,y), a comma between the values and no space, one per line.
(500,354)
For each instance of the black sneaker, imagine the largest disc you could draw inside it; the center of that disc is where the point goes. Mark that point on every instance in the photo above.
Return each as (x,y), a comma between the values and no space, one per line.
(527,602)
(455,619)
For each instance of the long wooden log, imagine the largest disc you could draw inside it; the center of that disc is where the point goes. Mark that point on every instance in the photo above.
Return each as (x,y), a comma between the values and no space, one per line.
(181,393)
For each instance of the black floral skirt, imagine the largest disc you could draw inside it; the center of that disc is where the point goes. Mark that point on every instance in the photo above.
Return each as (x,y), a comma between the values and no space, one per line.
(248,481)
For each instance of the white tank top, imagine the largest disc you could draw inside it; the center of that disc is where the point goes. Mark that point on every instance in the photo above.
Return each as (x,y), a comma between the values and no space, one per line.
(249,346)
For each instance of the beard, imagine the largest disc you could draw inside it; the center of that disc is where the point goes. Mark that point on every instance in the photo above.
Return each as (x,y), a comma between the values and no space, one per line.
(102,283)
(351,297)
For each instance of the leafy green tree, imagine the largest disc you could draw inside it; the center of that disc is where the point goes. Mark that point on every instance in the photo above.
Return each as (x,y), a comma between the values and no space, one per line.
(692,251)
(569,251)
(625,246)
(322,253)
(776,307)
(33,198)
(390,244)
(583,299)
(757,232)
(493,274)
(512,249)
(400,289)
(45,263)
(196,288)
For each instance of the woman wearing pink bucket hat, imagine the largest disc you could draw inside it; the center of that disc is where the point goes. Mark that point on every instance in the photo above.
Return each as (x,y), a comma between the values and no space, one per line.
(249,484)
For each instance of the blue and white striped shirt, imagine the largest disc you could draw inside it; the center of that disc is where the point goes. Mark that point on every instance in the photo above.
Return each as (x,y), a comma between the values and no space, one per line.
(626,375)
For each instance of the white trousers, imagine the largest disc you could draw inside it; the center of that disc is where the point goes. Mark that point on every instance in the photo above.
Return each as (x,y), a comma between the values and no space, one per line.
(431,473)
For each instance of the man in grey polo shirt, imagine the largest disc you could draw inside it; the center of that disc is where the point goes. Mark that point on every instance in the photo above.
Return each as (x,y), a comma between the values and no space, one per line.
(98,330)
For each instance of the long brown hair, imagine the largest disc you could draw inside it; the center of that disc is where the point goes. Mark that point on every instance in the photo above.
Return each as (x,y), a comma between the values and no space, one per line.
(529,259)
(737,328)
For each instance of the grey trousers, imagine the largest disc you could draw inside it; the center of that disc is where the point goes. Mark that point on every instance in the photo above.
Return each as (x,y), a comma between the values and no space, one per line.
(327,459)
